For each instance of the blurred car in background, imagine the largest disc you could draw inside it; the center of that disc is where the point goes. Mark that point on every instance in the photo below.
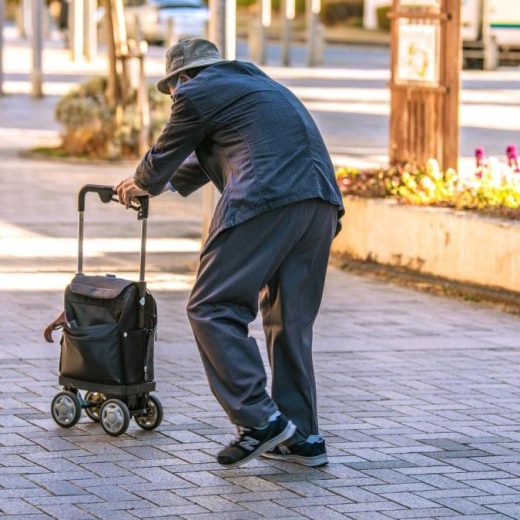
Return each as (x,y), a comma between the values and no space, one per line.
(189,18)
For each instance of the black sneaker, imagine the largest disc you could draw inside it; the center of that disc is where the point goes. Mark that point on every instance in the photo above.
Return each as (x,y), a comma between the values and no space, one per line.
(306,453)
(250,443)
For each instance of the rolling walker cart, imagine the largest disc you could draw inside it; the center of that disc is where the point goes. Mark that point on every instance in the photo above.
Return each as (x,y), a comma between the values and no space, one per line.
(107,342)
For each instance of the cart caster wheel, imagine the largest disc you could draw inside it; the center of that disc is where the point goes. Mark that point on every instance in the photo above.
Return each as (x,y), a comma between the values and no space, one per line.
(93,411)
(114,417)
(66,409)
(154,415)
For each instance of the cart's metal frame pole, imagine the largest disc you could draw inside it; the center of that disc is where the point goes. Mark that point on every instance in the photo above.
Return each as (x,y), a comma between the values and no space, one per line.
(106,195)
(81,225)
(142,269)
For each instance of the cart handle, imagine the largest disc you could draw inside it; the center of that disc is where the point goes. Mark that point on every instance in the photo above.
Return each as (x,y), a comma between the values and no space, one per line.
(106,194)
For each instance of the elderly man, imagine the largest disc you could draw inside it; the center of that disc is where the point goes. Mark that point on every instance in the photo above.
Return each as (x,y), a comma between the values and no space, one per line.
(270,236)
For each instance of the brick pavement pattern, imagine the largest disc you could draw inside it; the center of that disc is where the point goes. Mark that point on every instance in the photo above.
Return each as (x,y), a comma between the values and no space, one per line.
(419,396)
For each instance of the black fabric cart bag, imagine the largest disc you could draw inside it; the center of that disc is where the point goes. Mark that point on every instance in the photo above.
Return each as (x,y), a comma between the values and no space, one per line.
(105,344)
(111,322)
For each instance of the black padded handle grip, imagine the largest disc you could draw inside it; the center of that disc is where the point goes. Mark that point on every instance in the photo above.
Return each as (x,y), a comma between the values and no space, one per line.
(107,194)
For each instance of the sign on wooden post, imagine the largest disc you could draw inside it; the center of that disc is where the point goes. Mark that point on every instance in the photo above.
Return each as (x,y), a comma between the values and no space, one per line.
(425,77)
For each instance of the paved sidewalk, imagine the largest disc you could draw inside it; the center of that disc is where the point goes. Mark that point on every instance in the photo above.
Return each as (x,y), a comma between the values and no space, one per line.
(419,396)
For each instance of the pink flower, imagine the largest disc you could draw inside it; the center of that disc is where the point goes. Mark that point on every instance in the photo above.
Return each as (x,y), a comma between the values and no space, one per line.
(480,156)
(512,158)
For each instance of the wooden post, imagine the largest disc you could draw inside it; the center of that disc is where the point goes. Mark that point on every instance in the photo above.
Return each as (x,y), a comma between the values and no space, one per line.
(2,21)
(451,61)
(143,102)
(25,18)
(90,30)
(121,50)
(37,48)
(113,83)
(288,13)
(425,70)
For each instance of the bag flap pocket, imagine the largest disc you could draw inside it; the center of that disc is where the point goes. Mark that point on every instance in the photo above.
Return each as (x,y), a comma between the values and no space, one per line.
(102,287)
(102,330)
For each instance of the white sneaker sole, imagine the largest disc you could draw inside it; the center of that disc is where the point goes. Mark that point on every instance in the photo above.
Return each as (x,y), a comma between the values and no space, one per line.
(317,460)
(287,433)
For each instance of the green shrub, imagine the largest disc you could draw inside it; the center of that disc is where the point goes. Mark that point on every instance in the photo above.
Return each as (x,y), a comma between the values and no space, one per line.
(93,129)
(341,11)
(383,21)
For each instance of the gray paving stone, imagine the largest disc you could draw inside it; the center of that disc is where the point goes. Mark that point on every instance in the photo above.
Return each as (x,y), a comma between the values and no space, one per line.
(216,503)
(67,512)
(253,496)
(320,513)
(269,509)
(38,516)
(168,511)
(228,515)
(408,514)
(410,500)
(17,506)
(366,507)
(461,505)
(225,491)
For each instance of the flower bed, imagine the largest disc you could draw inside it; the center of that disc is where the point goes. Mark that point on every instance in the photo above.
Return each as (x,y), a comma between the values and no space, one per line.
(493,188)
(408,217)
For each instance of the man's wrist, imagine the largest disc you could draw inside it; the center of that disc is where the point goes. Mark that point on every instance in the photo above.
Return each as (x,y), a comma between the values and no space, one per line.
(140,185)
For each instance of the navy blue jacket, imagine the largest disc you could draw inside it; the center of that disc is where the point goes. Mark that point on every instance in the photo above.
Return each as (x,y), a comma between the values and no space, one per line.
(250,136)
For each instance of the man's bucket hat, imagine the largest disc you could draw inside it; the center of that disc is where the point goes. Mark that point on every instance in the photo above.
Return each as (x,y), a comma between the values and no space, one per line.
(188,54)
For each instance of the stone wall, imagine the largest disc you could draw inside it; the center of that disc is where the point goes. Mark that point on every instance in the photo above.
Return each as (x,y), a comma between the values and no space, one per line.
(457,245)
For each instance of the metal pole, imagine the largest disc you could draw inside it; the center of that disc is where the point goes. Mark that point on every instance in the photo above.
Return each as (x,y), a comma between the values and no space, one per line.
(37,48)
(222,26)
(2,21)
(90,30)
(264,22)
(288,14)
(170,33)
(313,8)
(490,51)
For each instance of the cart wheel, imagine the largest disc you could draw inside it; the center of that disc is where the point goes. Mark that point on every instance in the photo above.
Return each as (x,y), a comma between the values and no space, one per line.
(154,415)
(98,399)
(114,417)
(66,409)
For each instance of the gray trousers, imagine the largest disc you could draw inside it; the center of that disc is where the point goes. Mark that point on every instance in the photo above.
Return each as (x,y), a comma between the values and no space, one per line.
(282,256)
